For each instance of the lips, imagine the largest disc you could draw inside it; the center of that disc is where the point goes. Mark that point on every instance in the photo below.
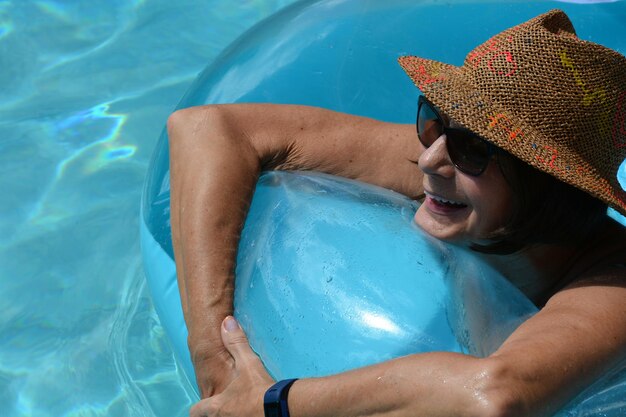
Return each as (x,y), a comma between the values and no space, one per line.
(442,205)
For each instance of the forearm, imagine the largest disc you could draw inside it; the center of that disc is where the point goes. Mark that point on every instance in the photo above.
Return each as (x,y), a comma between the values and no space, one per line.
(213,172)
(551,358)
(432,384)
(216,154)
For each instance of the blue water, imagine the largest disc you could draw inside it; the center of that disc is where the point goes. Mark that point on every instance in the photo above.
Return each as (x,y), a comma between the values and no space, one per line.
(86,87)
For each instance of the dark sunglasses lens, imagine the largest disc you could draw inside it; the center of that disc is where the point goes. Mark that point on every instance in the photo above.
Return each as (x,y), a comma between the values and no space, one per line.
(429,126)
(467,151)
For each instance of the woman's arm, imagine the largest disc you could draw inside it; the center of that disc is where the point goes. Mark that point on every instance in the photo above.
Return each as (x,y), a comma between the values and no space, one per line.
(216,155)
(579,335)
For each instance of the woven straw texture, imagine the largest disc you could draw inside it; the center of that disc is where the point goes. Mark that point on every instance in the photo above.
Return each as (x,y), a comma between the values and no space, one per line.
(539,92)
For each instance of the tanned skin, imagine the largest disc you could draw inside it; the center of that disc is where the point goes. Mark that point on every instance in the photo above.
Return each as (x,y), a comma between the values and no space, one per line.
(217,154)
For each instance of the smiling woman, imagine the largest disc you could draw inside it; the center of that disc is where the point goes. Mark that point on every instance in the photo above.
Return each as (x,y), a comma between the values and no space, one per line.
(493,184)
(525,206)
(471,209)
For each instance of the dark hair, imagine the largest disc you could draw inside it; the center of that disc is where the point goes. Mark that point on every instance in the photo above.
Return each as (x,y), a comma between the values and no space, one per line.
(546,210)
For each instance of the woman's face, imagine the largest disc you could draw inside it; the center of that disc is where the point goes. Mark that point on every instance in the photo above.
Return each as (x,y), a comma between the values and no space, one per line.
(459,207)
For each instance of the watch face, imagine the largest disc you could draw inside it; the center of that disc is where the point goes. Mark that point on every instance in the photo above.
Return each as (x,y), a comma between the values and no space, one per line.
(272,410)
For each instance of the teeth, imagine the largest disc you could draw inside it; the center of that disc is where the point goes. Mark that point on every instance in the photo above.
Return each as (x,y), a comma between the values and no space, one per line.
(443,200)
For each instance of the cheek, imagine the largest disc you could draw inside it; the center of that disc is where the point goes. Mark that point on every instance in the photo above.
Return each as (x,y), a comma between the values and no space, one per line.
(493,207)
(490,216)
(505,209)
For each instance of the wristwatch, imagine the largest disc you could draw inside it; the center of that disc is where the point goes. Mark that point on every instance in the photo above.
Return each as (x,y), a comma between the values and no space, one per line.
(275,400)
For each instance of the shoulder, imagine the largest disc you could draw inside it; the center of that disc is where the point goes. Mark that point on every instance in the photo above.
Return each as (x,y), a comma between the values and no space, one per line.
(603,256)
(594,297)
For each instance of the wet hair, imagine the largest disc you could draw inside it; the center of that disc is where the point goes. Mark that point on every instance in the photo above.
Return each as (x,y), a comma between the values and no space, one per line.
(546,210)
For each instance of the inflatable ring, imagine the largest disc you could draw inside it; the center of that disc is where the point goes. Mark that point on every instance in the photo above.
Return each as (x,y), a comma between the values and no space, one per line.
(357,305)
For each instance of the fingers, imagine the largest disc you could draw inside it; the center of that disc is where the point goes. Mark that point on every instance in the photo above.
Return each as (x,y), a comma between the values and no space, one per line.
(199,409)
(236,342)
(243,396)
(209,407)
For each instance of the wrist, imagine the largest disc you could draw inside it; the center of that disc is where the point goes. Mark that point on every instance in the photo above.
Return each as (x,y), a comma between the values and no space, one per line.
(275,401)
(206,350)
(205,341)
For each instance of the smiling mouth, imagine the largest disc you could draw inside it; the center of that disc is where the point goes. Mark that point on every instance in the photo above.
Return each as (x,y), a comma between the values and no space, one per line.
(444,202)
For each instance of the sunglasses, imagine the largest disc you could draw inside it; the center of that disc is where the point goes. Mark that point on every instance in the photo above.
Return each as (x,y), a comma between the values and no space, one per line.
(468,152)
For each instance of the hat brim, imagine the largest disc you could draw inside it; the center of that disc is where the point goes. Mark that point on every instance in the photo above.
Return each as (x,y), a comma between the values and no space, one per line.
(448,88)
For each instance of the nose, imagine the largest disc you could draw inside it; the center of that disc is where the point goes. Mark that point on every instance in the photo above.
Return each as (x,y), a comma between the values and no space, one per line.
(435,159)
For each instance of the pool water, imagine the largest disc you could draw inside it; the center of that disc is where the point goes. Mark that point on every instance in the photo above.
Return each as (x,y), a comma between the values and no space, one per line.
(86,89)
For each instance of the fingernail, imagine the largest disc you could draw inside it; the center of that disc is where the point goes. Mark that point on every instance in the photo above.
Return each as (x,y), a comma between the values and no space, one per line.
(230,324)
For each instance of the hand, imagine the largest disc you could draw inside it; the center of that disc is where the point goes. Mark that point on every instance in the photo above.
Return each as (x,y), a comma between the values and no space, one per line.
(214,370)
(243,397)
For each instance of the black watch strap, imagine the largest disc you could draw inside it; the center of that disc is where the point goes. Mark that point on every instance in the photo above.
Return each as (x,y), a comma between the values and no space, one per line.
(275,400)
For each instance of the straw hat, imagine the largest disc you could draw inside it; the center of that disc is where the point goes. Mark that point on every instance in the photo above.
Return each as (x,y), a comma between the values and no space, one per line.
(539,92)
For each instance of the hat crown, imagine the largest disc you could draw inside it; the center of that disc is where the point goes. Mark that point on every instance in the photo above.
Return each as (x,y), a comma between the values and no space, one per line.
(555,22)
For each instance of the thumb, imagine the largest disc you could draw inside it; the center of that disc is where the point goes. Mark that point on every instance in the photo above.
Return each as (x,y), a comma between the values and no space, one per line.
(235,341)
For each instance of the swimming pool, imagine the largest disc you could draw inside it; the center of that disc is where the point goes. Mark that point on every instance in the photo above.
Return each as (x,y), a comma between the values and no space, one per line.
(86,88)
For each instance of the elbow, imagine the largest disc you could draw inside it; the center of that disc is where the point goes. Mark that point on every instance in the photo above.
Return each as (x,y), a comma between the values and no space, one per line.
(214,131)
(190,122)
(495,392)
(177,120)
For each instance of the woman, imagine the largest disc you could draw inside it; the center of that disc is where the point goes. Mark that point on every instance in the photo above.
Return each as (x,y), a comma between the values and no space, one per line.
(532,95)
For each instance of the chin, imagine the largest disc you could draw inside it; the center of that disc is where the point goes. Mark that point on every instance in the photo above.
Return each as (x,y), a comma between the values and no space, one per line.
(444,229)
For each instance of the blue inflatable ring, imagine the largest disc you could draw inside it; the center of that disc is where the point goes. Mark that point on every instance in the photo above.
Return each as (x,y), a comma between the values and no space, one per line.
(331,273)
